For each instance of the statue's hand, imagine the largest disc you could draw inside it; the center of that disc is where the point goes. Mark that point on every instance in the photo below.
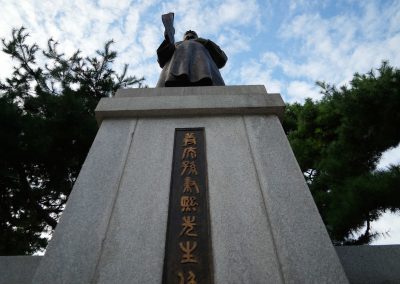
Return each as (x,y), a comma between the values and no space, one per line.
(168,22)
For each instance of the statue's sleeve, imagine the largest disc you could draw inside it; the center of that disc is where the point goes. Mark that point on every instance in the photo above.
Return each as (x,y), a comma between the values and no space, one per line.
(165,52)
(217,54)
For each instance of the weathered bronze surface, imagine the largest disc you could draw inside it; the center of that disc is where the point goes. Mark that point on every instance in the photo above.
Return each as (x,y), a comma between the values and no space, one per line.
(192,62)
(188,256)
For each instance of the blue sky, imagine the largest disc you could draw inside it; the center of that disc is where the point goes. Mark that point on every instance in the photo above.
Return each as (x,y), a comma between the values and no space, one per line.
(285,45)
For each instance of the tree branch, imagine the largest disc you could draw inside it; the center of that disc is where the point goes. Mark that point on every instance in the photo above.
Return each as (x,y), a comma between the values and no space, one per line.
(27,190)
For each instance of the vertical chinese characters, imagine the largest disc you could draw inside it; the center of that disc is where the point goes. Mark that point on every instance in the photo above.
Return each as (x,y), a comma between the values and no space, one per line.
(188,258)
(189,204)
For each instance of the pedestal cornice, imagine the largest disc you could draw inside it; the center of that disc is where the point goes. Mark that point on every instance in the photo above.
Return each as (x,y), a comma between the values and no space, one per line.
(190,101)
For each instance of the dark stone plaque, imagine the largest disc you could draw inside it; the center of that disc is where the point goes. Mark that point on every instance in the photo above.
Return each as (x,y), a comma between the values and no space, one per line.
(188,256)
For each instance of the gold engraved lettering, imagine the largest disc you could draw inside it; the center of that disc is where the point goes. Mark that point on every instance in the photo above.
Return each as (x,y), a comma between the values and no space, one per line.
(181,278)
(187,248)
(189,152)
(189,184)
(188,226)
(189,168)
(191,279)
(188,203)
(189,139)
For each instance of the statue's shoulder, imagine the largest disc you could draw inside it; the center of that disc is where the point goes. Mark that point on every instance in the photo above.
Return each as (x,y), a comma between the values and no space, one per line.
(178,43)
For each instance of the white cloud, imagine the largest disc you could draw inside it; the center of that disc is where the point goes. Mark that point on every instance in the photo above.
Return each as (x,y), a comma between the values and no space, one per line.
(78,24)
(308,46)
(134,25)
(388,225)
(149,39)
(271,59)
(389,157)
(9,15)
(318,48)
(232,42)
(304,5)
(300,90)
(238,12)
(113,5)
(209,18)
(253,73)
(393,16)
(334,48)
(149,69)
(131,23)
(6,66)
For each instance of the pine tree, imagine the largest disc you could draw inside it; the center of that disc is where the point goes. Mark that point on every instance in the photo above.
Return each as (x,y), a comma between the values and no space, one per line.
(47,125)
(338,142)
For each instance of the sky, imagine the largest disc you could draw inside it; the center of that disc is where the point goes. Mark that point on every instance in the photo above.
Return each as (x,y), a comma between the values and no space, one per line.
(286,45)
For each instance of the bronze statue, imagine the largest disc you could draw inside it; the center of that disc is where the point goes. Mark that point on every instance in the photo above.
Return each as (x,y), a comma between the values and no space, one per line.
(192,62)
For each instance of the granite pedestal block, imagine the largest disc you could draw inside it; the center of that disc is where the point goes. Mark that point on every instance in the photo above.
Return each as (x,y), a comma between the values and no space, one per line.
(265,227)
(371,264)
(18,269)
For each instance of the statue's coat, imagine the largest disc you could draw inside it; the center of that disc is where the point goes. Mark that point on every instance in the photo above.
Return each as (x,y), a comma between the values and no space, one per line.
(190,62)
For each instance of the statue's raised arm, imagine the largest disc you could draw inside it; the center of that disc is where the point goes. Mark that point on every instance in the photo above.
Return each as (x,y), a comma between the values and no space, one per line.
(168,21)
(192,62)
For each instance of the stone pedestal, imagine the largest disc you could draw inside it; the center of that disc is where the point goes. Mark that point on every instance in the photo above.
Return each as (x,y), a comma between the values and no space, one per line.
(265,227)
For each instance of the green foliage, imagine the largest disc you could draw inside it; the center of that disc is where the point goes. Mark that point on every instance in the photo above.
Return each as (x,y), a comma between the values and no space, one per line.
(338,142)
(47,127)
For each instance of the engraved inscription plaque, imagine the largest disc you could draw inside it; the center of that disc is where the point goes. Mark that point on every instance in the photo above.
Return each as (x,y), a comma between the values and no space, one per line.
(188,256)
